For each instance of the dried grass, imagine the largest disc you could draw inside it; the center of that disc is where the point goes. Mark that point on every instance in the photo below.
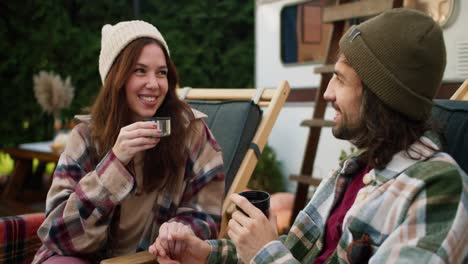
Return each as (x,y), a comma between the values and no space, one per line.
(52,92)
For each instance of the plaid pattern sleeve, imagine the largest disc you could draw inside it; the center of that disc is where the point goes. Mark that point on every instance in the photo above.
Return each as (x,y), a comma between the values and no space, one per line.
(18,239)
(222,251)
(81,199)
(275,252)
(435,226)
(296,247)
(412,211)
(201,202)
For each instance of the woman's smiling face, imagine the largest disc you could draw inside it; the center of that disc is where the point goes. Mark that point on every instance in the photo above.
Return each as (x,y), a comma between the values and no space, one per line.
(147,86)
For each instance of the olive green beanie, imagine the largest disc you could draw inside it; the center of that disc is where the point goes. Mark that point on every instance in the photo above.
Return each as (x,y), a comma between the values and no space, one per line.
(400,56)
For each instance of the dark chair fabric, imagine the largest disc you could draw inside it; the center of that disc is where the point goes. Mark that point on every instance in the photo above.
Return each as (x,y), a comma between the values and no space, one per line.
(233,123)
(453,116)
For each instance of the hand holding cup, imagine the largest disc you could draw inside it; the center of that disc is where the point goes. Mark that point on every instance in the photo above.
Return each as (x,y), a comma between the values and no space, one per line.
(133,139)
(249,227)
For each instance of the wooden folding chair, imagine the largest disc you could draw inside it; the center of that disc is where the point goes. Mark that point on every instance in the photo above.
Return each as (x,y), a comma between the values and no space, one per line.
(242,141)
(273,99)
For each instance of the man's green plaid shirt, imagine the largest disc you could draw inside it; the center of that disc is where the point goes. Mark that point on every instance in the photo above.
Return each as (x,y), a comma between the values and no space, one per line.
(413,211)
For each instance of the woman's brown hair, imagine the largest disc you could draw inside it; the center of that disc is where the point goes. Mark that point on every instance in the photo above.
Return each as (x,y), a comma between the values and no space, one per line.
(385,132)
(110,113)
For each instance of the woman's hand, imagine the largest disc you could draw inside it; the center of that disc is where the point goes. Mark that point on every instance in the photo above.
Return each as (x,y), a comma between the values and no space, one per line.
(177,243)
(165,244)
(250,232)
(134,138)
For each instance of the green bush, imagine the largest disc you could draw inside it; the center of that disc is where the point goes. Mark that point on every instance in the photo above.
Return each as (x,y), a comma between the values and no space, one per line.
(211,43)
(267,175)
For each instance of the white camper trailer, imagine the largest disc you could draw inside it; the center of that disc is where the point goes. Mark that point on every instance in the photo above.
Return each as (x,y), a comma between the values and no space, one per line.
(285,30)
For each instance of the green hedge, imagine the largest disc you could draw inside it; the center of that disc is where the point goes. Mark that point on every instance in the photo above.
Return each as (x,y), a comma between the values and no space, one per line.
(211,43)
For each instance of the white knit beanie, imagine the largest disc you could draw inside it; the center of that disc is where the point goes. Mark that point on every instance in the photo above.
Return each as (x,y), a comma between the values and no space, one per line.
(116,38)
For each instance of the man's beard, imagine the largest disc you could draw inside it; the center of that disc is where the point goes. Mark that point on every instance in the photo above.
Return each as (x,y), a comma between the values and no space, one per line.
(346,132)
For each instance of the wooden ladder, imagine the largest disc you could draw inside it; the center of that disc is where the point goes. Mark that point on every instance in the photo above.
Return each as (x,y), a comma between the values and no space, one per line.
(339,16)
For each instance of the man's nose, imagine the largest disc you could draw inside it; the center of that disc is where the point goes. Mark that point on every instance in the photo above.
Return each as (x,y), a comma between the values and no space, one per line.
(329,94)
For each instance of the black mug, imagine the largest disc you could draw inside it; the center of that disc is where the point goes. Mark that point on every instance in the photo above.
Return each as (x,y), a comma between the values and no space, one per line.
(259,199)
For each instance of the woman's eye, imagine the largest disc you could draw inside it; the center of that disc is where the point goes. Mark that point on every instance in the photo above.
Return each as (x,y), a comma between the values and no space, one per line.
(140,70)
(162,73)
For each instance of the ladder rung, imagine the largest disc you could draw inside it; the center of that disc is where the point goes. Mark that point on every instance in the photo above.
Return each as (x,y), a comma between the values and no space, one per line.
(355,10)
(305,179)
(325,69)
(317,123)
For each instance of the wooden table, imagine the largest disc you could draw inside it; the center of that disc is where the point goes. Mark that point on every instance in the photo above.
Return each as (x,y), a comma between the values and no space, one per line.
(23,156)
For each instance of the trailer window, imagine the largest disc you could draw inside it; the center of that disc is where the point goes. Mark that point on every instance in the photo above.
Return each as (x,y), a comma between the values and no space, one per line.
(304,38)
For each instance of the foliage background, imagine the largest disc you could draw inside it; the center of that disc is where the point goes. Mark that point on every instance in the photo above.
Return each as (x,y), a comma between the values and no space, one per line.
(211,42)
(268,175)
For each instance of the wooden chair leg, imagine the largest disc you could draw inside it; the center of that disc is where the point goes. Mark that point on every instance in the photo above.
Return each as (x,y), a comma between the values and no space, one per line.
(16,181)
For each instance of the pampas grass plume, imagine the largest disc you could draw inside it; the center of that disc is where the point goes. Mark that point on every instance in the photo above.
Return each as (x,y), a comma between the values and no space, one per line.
(52,93)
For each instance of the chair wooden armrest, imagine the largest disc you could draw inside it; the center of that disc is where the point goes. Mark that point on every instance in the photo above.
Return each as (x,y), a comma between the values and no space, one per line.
(143,257)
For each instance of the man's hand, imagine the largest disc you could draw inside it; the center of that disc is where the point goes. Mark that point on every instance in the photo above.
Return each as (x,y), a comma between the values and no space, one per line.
(252,231)
(135,138)
(182,246)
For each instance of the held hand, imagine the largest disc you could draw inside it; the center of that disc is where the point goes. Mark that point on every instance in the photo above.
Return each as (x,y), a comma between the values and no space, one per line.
(165,244)
(134,138)
(194,250)
(252,231)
